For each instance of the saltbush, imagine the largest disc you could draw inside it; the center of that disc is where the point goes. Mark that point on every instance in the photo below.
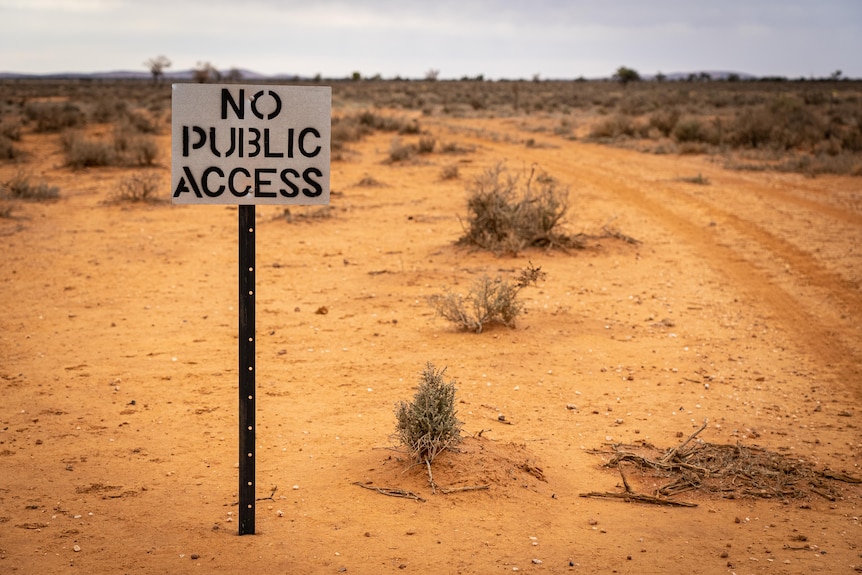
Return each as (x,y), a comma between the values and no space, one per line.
(428,425)
(508,215)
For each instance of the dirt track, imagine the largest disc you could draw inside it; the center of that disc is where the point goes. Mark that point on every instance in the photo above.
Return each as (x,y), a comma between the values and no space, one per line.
(741,305)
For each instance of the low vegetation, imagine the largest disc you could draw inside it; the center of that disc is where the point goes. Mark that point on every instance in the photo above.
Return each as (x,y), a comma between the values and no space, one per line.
(489,300)
(429,425)
(137,188)
(811,126)
(508,212)
(21,187)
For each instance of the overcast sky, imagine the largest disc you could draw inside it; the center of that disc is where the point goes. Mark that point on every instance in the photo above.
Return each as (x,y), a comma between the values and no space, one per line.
(502,39)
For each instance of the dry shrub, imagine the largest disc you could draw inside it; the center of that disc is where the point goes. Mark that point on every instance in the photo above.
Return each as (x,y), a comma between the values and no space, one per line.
(664,120)
(699,179)
(54,116)
(307,214)
(141,187)
(370,182)
(134,148)
(125,149)
(455,148)
(400,152)
(10,129)
(82,152)
(6,209)
(428,425)
(507,216)
(449,172)
(8,150)
(353,128)
(613,127)
(426,145)
(109,109)
(693,130)
(488,301)
(20,187)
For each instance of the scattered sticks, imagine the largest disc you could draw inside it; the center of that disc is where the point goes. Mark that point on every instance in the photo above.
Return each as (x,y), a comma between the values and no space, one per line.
(728,471)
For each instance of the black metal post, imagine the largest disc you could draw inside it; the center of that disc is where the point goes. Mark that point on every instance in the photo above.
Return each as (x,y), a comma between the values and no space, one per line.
(246,370)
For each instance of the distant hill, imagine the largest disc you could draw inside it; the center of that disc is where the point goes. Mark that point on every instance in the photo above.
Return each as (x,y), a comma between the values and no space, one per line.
(246,75)
(134,75)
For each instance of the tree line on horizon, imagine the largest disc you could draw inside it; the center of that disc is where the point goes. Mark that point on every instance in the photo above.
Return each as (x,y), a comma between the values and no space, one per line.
(205,72)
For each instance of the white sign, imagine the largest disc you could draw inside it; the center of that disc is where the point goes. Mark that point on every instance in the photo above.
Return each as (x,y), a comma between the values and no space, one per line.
(241,144)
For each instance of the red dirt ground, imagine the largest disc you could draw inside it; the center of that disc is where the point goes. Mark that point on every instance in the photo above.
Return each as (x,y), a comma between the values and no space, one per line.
(118,431)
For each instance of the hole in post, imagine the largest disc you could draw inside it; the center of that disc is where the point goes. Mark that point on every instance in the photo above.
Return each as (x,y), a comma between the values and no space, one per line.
(251,229)
(250,368)
(249,505)
(251,397)
(249,454)
(249,428)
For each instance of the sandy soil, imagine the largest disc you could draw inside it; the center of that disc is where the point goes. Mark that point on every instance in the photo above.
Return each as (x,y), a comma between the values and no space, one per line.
(118,429)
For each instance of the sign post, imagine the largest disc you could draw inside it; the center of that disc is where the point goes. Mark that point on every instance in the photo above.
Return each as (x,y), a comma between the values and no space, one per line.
(247,145)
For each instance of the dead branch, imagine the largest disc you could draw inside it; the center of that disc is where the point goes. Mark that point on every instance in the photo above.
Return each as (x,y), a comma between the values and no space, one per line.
(625,481)
(448,490)
(638,497)
(672,453)
(391,492)
(431,477)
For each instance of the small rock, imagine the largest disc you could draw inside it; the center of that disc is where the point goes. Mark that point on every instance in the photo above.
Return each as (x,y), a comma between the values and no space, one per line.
(537,561)
(76,548)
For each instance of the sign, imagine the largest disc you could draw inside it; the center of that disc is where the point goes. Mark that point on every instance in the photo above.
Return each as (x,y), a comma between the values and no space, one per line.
(250,145)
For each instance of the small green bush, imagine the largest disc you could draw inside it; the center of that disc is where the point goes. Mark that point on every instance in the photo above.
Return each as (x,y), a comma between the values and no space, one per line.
(488,301)
(429,425)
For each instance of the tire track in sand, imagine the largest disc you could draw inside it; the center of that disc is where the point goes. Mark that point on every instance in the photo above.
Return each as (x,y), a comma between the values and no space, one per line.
(835,342)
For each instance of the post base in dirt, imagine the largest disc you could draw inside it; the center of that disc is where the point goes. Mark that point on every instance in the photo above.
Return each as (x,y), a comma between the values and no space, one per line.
(246,370)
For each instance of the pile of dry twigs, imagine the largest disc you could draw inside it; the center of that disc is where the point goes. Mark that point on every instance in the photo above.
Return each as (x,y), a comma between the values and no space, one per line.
(727,471)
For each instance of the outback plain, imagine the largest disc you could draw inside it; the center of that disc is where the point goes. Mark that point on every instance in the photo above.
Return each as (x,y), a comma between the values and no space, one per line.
(680,393)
